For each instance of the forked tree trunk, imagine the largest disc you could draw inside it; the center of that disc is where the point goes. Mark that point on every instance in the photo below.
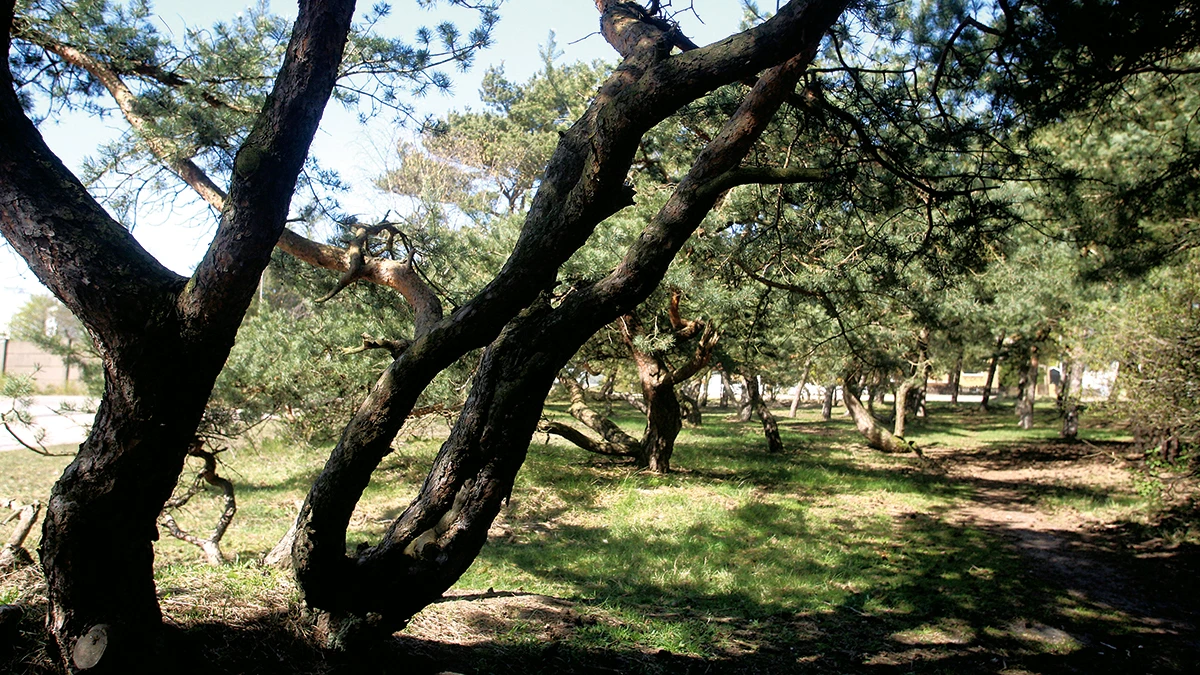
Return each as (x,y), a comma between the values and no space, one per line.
(692,415)
(163,337)
(442,530)
(991,374)
(663,423)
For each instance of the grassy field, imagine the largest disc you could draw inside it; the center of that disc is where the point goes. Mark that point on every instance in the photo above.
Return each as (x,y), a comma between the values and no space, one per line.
(826,558)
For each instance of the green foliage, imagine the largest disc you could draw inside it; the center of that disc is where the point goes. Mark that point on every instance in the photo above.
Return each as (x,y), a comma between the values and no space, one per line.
(290,365)
(1122,179)
(1152,330)
(199,93)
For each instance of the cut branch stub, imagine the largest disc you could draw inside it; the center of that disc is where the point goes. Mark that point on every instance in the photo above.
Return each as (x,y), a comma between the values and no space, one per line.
(90,648)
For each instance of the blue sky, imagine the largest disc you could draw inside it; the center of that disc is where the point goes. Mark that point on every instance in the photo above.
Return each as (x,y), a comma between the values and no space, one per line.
(358,152)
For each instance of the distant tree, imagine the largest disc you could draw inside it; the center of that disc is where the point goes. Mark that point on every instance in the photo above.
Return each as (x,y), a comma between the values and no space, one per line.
(47,323)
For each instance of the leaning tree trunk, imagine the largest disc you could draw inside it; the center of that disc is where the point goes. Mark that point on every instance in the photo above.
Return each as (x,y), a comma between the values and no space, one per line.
(13,553)
(769,424)
(439,534)
(876,436)
(991,374)
(800,389)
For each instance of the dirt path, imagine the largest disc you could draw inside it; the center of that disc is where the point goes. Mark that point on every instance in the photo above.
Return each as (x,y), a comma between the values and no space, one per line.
(1020,492)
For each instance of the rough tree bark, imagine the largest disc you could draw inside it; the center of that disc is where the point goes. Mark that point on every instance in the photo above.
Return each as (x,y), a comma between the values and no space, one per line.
(440,533)
(910,393)
(98,534)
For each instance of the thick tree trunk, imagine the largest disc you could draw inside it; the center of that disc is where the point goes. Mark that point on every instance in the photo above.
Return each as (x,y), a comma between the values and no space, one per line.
(97,541)
(702,394)
(876,436)
(663,423)
(728,396)
(163,339)
(991,374)
(1027,386)
(910,396)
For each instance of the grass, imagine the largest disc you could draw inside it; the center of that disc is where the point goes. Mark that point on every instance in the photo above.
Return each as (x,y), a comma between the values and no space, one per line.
(826,557)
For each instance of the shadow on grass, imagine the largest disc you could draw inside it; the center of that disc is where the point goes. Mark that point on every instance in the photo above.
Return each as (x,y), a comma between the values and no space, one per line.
(933,598)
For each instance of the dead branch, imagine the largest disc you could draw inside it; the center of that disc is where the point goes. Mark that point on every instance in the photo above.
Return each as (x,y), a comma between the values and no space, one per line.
(394,347)
(13,554)
(212,545)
